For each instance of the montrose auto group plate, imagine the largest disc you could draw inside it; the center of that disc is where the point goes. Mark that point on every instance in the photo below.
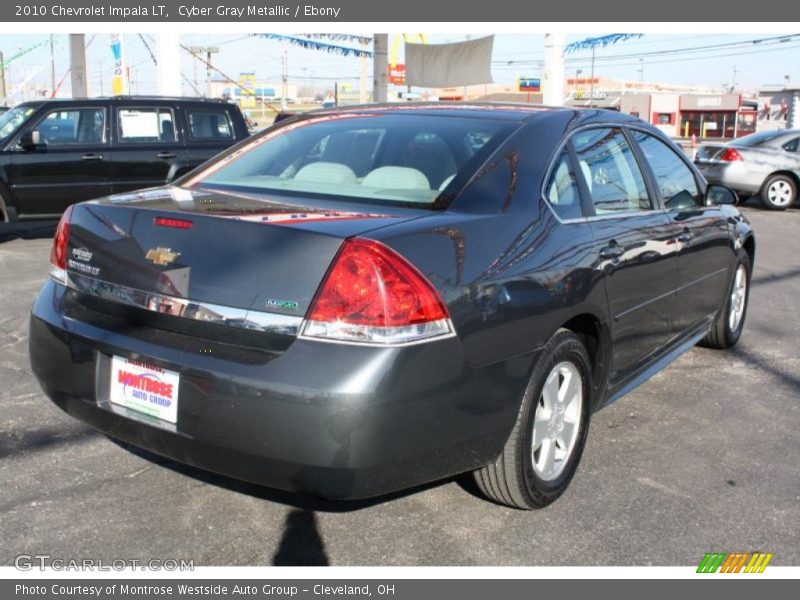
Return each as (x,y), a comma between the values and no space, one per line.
(145,388)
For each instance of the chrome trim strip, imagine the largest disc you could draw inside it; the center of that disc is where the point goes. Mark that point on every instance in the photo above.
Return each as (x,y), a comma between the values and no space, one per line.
(444,336)
(188,309)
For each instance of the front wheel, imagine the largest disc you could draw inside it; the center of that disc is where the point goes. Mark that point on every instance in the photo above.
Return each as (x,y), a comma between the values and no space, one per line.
(728,326)
(543,451)
(779,192)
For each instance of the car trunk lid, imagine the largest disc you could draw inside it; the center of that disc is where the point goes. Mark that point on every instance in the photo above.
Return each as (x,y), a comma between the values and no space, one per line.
(218,250)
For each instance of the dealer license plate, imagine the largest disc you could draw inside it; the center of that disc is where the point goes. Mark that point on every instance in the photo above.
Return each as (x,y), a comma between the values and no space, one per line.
(145,388)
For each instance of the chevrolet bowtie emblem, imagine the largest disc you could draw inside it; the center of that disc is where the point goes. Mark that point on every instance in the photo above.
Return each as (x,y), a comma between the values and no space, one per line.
(161,256)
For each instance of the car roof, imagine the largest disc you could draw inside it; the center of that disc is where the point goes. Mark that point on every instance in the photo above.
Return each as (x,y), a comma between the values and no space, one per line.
(768,138)
(126,98)
(507,111)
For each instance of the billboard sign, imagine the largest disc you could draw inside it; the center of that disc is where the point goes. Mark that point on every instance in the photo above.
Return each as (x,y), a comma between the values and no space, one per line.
(529,84)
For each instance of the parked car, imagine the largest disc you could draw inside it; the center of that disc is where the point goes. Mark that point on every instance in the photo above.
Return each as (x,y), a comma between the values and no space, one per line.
(357,301)
(766,164)
(57,152)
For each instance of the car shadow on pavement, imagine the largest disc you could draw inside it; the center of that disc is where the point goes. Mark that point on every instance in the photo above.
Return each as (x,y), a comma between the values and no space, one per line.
(791,381)
(297,500)
(27,230)
(41,440)
(759,279)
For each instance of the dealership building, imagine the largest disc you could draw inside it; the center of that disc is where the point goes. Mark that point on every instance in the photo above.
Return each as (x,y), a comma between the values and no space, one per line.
(694,115)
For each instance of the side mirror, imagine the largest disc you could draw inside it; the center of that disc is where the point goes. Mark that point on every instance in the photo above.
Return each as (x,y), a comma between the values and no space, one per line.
(719,194)
(30,140)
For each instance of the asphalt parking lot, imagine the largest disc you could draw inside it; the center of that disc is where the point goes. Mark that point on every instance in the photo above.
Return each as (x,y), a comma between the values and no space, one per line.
(704,457)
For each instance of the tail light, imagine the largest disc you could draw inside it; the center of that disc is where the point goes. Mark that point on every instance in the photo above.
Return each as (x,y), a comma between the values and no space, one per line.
(730,155)
(373,295)
(58,255)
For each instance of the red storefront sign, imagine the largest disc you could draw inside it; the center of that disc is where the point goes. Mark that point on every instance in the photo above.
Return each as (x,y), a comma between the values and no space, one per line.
(397,74)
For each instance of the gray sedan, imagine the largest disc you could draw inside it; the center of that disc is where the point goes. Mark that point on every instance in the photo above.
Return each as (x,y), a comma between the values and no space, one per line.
(766,164)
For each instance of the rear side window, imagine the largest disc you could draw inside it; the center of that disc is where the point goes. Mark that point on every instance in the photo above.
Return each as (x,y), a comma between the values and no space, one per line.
(756,139)
(73,126)
(675,179)
(562,192)
(146,125)
(612,175)
(209,125)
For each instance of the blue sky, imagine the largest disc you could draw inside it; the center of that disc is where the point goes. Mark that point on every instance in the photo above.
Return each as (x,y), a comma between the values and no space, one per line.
(756,64)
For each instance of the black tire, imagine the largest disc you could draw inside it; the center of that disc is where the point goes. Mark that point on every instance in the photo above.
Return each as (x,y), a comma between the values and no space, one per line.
(4,217)
(721,335)
(511,479)
(781,201)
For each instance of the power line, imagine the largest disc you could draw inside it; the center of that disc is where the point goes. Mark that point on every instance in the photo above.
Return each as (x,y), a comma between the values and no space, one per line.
(773,40)
(693,49)
(696,58)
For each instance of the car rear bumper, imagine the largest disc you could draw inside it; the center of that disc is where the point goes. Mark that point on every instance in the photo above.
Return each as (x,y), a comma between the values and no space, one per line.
(337,421)
(735,175)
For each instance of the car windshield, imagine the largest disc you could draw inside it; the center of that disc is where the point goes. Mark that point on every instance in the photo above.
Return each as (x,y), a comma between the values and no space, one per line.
(395,158)
(12,120)
(756,139)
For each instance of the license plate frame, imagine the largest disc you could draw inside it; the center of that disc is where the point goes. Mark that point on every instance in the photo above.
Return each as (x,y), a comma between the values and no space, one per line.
(144,388)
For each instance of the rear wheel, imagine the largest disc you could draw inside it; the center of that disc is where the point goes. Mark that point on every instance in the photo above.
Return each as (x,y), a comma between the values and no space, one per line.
(728,326)
(543,451)
(4,217)
(779,192)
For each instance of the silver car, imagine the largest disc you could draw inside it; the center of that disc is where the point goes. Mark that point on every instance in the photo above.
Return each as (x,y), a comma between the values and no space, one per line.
(766,164)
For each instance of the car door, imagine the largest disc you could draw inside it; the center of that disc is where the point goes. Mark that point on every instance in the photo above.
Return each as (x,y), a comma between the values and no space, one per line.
(791,150)
(634,244)
(71,163)
(209,131)
(701,231)
(148,146)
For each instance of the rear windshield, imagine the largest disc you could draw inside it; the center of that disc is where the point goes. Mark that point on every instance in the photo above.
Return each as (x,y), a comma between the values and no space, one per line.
(386,158)
(756,139)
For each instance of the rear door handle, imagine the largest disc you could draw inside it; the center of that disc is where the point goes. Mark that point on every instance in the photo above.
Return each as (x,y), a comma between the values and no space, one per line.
(92,156)
(166,155)
(611,251)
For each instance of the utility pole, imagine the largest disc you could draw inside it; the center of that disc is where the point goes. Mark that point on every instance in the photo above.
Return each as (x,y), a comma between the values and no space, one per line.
(733,83)
(284,77)
(52,68)
(168,63)
(77,60)
(362,75)
(641,70)
(554,70)
(2,80)
(591,82)
(208,50)
(380,67)
(194,50)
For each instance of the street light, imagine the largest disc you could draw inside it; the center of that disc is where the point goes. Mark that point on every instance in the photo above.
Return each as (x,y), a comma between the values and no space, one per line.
(208,51)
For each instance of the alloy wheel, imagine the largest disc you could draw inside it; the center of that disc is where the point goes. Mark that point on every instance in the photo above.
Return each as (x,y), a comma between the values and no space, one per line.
(557,420)
(738,299)
(780,193)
